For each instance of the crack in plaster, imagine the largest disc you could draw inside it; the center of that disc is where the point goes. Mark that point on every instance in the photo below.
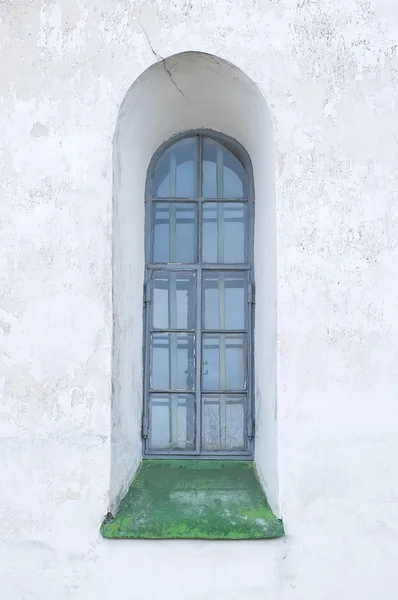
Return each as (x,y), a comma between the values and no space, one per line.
(161,58)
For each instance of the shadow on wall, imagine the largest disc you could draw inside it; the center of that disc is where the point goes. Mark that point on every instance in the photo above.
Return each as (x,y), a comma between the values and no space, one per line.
(187,91)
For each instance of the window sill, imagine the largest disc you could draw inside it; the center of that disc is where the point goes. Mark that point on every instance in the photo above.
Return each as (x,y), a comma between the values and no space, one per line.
(194,499)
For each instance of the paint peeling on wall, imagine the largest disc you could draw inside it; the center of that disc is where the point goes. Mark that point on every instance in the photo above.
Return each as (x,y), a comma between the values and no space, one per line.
(329,74)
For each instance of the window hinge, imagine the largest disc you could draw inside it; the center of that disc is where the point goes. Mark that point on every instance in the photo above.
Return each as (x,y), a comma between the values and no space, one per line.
(250,428)
(145,427)
(250,293)
(147,292)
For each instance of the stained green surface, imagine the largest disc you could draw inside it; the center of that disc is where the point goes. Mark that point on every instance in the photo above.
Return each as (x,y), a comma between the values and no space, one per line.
(203,499)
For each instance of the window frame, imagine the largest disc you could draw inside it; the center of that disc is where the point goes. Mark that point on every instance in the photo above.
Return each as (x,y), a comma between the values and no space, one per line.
(247,268)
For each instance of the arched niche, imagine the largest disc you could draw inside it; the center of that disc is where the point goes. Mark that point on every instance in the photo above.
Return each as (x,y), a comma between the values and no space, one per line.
(187,91)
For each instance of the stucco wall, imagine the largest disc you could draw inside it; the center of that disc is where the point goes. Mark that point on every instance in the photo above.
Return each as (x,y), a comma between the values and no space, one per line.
(328,71)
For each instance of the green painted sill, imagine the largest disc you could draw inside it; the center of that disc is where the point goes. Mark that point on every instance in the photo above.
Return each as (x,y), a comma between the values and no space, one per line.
(194,499)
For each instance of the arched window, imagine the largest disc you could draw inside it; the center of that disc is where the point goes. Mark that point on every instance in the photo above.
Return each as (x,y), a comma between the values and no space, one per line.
(198,340)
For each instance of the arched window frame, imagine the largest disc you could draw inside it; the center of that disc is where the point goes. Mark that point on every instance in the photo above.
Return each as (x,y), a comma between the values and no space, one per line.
(239,151)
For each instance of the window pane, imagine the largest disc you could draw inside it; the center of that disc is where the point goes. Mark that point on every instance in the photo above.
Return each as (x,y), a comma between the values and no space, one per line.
(223,232)
(224,300)
(173,301)
(224,362)
(223,422)
(171,422)
(174,232)
(175,173)
(173,361)
(223,175)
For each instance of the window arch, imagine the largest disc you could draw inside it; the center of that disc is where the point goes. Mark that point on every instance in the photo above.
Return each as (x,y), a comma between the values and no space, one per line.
(198,337)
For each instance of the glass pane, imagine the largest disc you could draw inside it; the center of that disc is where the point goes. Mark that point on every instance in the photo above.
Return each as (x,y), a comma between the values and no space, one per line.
(223,175)
(224,300)
(223,422)
(175,172)
(171,422)
(173,361)
(224,362)
(174,237)
(173,301)
(223,232)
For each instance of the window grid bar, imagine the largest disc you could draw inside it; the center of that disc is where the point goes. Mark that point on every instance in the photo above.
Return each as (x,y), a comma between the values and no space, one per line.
(206,455)
(203,392)
(154,330)
(173,364)
(195,199)
(204,266)
(218,392)
(221,303)
(239,393)
(198,440)
(203,330)
(149,212)
(173,391)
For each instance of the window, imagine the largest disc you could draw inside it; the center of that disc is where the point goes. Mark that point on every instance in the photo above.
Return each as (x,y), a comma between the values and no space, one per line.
(198,340)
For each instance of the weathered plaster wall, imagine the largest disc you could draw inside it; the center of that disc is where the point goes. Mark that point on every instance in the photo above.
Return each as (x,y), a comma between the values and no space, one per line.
(328,71)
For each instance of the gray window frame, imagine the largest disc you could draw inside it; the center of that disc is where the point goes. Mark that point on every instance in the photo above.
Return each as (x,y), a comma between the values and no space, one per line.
(198,268)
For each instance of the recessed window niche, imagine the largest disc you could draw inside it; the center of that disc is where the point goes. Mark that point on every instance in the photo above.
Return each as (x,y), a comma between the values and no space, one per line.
(204,92)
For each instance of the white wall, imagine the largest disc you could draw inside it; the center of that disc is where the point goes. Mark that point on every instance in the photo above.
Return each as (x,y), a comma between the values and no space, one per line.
(328,73)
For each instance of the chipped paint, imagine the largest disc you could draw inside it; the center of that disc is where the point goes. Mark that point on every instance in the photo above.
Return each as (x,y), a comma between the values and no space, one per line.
(328,72)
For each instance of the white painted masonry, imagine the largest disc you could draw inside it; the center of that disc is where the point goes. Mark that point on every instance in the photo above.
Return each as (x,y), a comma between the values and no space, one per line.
(321,77)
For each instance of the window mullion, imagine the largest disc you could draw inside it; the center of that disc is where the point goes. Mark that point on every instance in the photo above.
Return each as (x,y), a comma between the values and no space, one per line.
(223,366)
(173,355)
(198,360)
(172,209)
(147,318)
(173,364)
(221,299)
(199,303)
(249,217)
(199,166)
(249,308)
(220,178)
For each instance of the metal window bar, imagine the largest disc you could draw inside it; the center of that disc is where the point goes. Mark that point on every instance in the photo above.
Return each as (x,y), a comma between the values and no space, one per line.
(199,365)
(173,411)
(221,297)
(196,368)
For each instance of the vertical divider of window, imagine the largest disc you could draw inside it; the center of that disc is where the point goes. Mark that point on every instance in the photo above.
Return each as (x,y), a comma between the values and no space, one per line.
(221,296)
(173,340)
(149,216)
(198,340)
(250,207)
